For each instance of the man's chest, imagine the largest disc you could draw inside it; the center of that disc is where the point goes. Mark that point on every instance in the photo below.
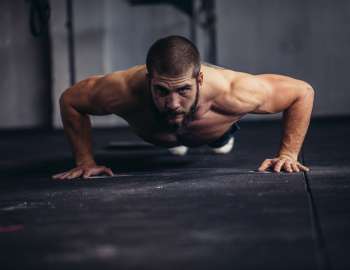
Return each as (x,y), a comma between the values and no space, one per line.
(197,132)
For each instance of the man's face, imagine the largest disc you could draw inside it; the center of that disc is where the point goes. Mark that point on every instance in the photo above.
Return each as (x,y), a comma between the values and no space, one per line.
(175,97)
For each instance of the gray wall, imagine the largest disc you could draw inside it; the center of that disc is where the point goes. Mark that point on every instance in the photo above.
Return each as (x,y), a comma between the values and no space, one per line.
(309,40)
(109,35)
(24,68)
(89,38)
(132,29)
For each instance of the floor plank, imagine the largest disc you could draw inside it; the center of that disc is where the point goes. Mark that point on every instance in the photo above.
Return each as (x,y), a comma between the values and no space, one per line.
(327,151)
(200,211)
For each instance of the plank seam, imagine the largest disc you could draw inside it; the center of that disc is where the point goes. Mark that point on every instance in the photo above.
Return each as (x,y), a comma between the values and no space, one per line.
(322,255)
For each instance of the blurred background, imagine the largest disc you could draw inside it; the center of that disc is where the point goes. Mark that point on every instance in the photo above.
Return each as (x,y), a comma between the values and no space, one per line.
(45,46)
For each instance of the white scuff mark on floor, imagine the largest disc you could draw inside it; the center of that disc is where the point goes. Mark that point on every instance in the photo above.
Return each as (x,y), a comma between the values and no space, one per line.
(18,206)
(105,251)
(27,205)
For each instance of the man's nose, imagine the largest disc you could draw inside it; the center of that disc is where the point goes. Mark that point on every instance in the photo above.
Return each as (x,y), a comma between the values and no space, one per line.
(172,101)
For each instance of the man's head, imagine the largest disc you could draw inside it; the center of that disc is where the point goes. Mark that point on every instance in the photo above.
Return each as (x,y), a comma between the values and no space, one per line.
(173,65)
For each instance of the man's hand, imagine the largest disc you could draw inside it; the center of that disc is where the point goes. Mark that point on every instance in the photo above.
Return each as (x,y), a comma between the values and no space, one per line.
(282,163)
(83,171)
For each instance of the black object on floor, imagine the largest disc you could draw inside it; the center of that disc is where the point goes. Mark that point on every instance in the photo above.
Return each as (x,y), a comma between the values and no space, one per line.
(200,211)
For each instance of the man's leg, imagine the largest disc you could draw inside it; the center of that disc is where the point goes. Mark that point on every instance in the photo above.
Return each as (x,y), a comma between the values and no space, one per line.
(180,150)
(225,143)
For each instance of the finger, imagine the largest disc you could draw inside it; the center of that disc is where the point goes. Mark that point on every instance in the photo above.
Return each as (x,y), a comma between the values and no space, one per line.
(56,176)
(109,172)
(295,167)
(266,164)
(278,165)
(98,171)
(287,166)
(64,176)
(87,173)
(93,172)
(75,174)
(303,168)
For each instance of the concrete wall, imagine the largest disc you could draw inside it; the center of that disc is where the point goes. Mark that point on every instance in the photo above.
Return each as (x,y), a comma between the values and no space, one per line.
(89,38)
(304,39)
(132,29)
(129,32)
(59,51)
(109,35)
(24,68)
(309,40)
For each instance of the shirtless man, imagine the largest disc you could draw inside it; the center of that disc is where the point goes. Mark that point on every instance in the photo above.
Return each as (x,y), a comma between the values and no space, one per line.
(175,100)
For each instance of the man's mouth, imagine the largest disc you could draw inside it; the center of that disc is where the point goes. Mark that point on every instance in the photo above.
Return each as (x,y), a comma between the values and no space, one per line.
(174,115)
(174,118)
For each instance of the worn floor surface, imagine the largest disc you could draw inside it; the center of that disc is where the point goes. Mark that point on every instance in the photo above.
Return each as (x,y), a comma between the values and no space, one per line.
(200,211)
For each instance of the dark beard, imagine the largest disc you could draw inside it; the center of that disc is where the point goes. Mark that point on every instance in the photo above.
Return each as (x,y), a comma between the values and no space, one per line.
(189,117)
(178,128)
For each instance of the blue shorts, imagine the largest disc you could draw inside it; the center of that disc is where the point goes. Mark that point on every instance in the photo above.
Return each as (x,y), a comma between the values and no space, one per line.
(226,137)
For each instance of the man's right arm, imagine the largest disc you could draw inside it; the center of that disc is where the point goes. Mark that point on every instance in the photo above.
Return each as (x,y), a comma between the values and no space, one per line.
(91,96)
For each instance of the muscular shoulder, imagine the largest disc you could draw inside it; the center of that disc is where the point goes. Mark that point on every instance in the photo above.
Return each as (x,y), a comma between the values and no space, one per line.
(246,93)
(263,93)
(232,91)
(249,85)
(108,92)
(113,93)
(125,86)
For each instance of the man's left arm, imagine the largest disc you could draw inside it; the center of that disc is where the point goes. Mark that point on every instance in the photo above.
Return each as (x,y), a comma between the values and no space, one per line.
(276,93)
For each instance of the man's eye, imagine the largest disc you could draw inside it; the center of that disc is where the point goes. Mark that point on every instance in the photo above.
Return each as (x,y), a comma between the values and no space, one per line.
(162,91)
(184,90)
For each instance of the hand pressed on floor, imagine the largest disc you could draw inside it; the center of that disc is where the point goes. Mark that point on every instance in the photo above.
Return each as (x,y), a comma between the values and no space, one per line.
(83,171)
(282,163)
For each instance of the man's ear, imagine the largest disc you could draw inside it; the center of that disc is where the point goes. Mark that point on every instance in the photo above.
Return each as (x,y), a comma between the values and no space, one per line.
(149,77)
(200,78)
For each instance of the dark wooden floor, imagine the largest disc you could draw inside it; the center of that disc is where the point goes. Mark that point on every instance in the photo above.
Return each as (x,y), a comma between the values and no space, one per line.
(200,211)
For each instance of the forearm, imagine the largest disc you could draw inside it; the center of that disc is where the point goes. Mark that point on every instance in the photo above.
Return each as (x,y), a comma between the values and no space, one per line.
(77,127)
(296,119)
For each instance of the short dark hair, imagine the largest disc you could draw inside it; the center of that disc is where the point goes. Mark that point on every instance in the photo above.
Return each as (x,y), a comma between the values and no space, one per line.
(173,56)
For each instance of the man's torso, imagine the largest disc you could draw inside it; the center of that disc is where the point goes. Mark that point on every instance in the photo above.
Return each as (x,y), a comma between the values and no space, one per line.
(209,123)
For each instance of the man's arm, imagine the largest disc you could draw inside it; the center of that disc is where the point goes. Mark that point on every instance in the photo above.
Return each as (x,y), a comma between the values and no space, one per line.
(272,94)
(91,96)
